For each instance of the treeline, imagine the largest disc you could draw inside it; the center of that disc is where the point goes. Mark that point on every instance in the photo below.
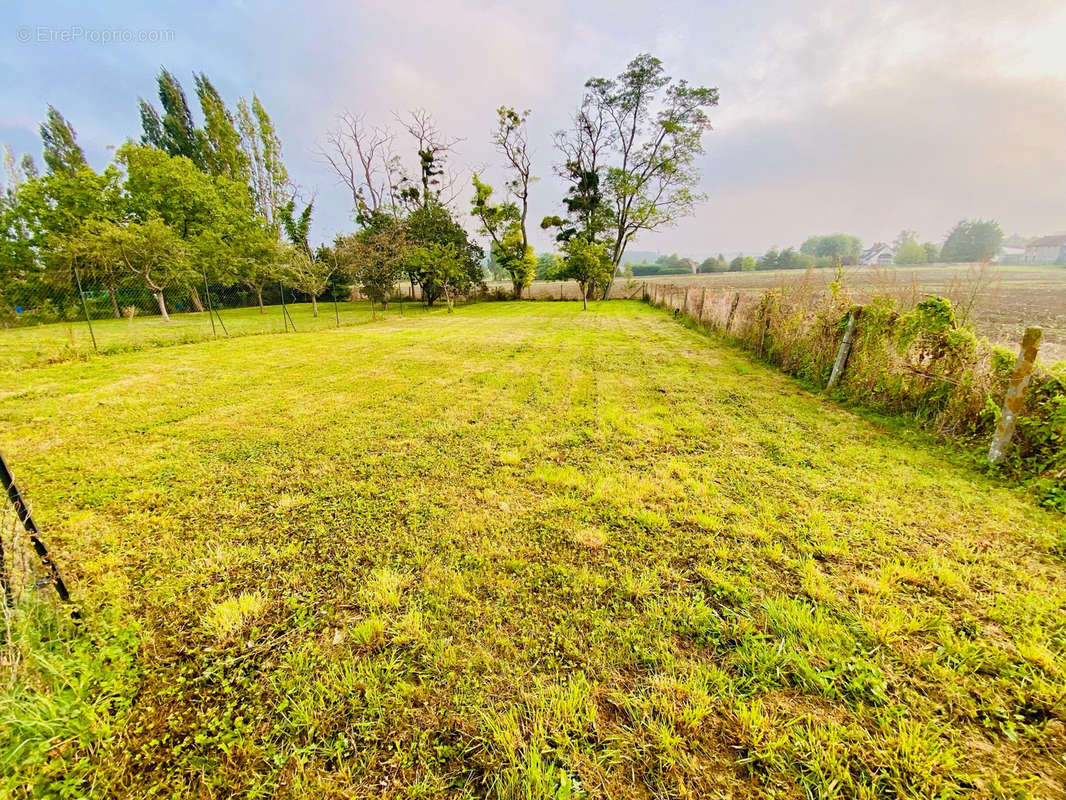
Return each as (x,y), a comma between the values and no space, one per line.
(968,241)
(182,206)
(628,161)
(187,205)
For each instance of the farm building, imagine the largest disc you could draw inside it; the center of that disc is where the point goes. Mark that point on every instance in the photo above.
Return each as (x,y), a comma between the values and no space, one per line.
(879,253)
(1046,250)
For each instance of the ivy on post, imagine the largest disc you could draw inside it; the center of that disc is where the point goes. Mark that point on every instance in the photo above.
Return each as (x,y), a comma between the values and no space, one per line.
(1015,399)
(845,349)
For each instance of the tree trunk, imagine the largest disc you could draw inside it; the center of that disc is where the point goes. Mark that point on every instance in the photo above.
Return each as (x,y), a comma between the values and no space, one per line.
(162,306)
(259,298)
(314,305)
(194,298)
(114,302)
(584,298)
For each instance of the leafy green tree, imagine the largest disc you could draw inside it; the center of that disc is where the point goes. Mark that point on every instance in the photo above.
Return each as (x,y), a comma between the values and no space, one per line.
(910,252)
(305,273)
(152,251)
(587,263)
(174,132)
(297,227)
(57,214)
(503,224)
(441,270)
(62,153)
(742,264)
(932,252)
(833,245)
(548,265)
(972,240)
(432,227)
(374,258)
(271,188)
(220,140)
(646,133)
(712,264)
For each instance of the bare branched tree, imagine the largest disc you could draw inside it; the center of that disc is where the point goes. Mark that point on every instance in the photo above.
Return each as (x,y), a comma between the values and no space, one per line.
(438,182)
(363,159)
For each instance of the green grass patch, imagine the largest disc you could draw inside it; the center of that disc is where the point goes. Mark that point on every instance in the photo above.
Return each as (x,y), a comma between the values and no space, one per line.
(517,551)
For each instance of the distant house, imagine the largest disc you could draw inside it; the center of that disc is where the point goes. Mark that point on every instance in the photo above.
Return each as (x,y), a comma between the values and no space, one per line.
(879,253)
(690,265)
(1011,253)
(1046,250)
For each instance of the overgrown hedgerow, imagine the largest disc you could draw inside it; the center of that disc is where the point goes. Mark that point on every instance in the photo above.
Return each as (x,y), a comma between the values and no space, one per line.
(922,362)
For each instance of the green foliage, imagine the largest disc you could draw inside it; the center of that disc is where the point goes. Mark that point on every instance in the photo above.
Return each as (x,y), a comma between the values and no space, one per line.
(433,230)
(743,264)
(62,153)
(784,259)
(67,691)
(630,158)
(911,252)
(972,240)
(503,223)
(587,263)
(374,259)
(833,245)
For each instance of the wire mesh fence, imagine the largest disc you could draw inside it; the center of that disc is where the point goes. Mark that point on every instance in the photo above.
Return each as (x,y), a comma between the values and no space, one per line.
(56,322)
(51,322)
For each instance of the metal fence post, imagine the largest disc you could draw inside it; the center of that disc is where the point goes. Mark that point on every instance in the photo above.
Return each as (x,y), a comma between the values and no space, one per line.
(210,313)
(1015,399)
(85,307)
(23,513)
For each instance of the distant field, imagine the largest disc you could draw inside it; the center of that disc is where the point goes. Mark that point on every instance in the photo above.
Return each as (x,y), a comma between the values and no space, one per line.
(519,551)
(1008,298)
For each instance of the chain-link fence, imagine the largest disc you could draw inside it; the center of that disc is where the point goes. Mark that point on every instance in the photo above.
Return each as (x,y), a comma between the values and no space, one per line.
(41,323)
(51,322)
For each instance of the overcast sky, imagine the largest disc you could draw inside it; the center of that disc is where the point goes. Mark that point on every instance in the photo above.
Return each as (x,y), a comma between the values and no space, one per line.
(834,116)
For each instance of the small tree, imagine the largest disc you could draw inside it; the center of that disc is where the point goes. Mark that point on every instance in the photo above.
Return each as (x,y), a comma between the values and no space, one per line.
(587,263)
(150,250)
(910,252)
(305,273)
(374,258)
(441,271)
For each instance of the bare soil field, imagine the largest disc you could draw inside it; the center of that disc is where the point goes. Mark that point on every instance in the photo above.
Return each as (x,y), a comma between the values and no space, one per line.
(999,301)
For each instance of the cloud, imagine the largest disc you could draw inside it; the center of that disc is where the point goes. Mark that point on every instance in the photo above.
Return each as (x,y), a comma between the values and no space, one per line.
(834,116)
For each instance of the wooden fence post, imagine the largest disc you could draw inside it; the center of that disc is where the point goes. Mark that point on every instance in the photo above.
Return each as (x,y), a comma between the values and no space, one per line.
(732,311)
(1015,399)
(688,291)
(703,302)
(844,351)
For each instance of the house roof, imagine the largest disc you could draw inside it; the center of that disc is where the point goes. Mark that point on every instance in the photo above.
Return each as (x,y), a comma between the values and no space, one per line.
(1049,241)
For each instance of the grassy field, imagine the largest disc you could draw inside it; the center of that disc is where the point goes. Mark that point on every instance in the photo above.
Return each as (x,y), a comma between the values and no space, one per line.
(517,551)
(1004,299)
(61,341)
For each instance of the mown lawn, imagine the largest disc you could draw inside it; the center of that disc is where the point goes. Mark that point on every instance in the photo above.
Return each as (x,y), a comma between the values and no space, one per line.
(518,551)
(31,345)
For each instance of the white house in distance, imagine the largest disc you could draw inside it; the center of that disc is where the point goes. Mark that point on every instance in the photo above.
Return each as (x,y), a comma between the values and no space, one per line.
(879,253)
(1046,250)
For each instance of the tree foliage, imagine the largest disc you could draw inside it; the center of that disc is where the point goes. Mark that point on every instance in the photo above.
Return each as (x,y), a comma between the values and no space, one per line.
(640,135)
(972,240)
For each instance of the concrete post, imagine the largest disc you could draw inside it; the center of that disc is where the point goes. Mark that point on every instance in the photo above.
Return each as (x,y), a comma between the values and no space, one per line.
(1015,399)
